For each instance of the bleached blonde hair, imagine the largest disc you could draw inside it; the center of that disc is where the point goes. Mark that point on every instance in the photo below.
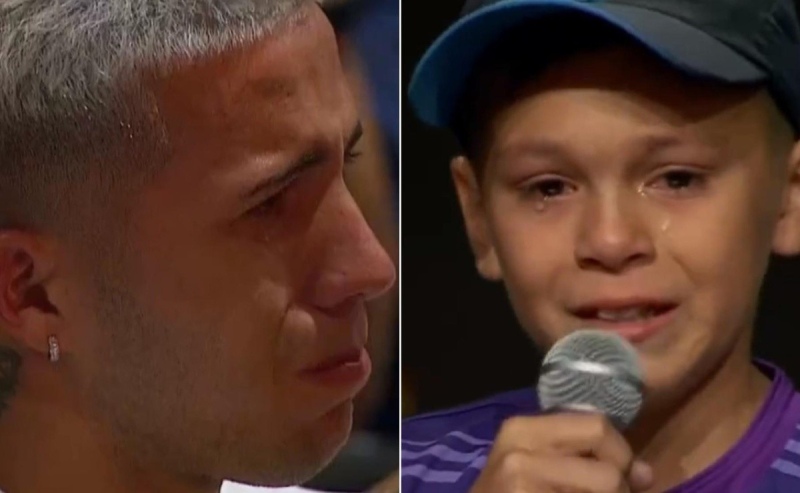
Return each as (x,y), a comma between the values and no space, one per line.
(72,98)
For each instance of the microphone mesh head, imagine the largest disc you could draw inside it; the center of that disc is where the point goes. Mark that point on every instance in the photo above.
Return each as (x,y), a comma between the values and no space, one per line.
(593,370)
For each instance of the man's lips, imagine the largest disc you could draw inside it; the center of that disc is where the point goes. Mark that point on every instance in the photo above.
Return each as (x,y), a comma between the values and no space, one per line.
(349,356)
(349,369)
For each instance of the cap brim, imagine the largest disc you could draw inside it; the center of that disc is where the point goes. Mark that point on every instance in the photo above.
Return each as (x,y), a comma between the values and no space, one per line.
(439,79)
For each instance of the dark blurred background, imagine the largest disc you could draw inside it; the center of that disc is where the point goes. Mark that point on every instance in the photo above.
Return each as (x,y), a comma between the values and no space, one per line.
(460,338)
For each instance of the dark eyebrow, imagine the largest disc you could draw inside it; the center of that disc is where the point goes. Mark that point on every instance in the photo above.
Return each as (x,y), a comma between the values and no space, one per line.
(551,149)
(355,136)
(538,147)
(308,161)
(275,182)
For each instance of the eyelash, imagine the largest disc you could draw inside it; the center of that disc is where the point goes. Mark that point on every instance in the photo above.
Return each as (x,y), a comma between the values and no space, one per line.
(352,156)
(543,188)
(536,189)
(697,179)
(267,206)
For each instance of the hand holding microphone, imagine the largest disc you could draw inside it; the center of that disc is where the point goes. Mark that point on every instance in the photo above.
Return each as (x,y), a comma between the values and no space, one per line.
(590,389)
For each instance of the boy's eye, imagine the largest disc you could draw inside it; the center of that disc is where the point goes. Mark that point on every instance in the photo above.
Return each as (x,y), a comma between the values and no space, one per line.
(679,181)
(548,188)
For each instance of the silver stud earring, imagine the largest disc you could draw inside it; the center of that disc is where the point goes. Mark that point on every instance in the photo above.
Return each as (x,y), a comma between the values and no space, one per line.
(55,350)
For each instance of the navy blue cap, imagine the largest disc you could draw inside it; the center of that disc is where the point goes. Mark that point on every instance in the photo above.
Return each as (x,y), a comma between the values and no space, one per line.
(732,41)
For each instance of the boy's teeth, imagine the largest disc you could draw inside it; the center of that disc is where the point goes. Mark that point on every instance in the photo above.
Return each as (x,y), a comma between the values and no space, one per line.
(624,315)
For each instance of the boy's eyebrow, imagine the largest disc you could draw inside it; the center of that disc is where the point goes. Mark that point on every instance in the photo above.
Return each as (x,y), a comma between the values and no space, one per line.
(544,147)
(653,142)
(535,147)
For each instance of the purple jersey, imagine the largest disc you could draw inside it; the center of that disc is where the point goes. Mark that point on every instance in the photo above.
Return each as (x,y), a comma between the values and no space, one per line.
(444,452)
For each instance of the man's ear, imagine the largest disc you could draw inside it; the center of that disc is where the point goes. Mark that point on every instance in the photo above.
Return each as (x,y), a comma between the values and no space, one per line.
(27,316)
(475,218)
(786,240)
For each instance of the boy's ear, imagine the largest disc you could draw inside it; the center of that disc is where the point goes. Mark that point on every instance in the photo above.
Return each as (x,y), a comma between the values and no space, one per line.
(787,233)
(475,221)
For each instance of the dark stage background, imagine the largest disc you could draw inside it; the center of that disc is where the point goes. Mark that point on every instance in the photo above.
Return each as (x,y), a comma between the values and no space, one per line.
(460,339)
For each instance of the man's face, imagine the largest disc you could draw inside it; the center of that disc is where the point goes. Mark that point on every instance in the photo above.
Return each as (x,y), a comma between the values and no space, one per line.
(226,340)
(617,195)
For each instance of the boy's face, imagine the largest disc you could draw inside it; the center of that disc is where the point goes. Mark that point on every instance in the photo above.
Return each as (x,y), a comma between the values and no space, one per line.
(621,196)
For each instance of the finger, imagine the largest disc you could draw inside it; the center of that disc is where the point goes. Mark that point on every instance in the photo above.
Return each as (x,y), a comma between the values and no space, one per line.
(594,435)
(566,473)
(640,476)
(510,471)
(578,434)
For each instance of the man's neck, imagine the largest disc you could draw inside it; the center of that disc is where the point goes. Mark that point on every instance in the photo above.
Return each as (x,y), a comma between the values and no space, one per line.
(48,445)
(704,427)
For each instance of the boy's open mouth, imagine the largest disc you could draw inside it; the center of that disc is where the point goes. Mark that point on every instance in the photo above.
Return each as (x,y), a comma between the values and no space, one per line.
(630,313)
(634,319)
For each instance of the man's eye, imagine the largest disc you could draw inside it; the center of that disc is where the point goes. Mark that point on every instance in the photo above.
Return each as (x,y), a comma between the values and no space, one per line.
(352,156)
(271,204)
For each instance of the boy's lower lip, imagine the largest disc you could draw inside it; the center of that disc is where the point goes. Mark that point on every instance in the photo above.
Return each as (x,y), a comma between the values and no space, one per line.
(635,331)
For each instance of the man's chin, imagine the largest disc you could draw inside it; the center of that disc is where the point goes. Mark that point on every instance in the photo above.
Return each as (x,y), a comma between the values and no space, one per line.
(303,457)
(335,427)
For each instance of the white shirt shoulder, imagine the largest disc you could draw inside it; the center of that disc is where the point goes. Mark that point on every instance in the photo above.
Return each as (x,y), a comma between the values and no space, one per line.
(229,487)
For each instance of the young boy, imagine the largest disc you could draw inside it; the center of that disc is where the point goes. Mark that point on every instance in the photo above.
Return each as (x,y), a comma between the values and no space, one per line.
(628,166)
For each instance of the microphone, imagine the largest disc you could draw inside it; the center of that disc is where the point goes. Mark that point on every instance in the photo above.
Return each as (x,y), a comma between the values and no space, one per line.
(592,371)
